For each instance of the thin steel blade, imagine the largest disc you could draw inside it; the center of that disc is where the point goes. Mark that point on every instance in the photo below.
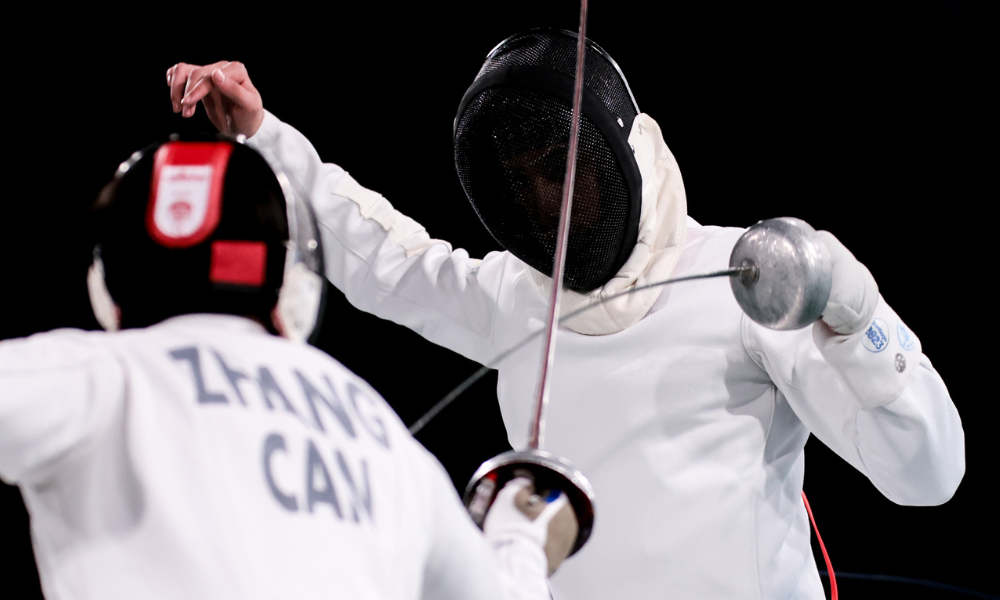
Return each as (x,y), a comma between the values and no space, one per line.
(537,434)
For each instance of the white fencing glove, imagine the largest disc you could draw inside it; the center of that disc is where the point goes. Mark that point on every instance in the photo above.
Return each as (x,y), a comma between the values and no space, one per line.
(519,515)
(853,291)
(860,336)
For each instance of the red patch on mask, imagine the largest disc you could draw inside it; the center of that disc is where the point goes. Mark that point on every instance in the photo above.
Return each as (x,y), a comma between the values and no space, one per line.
(238,263)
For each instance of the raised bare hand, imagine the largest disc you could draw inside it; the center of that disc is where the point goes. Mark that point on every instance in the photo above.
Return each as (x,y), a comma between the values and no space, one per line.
(231,101)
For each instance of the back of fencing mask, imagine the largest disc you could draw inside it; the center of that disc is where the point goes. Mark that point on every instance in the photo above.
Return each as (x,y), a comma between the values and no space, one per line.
(511,138)
(205,226)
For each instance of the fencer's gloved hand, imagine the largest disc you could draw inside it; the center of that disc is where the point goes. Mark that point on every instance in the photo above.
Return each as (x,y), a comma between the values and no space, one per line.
(232,102)
(853,293)
(860,335)
(518,514)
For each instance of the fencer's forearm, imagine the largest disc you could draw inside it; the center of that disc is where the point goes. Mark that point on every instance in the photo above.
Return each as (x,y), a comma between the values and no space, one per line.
(909,435)
(876,361)
(524,567)
(911,449)
(914,447)
(911,446)
(512,570)
(384,262)
(294,155)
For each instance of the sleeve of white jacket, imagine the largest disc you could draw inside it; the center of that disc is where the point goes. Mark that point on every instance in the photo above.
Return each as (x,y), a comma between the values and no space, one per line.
(383,261)
(901,429)
(57,392)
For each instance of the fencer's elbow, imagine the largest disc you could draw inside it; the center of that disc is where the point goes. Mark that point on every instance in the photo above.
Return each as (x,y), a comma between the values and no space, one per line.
(914,449)
(946,473)
(949,491)
(931,488)
(947,485)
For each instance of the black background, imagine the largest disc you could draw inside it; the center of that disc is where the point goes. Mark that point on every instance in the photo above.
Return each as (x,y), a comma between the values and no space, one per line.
(866,120)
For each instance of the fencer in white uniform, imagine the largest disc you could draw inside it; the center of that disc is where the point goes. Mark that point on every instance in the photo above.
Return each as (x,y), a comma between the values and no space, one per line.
(688,418)
(206,457)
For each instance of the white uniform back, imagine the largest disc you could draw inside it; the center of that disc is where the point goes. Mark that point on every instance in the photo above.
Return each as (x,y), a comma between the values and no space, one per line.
(205,458)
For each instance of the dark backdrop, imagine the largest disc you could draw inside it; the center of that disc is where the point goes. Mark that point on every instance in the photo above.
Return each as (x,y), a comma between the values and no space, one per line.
(863,120)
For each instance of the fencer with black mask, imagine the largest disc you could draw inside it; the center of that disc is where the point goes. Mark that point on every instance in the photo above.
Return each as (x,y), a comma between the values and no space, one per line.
(688,418)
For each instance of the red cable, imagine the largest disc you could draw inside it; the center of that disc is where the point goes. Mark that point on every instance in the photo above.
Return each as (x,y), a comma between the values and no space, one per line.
(826,557)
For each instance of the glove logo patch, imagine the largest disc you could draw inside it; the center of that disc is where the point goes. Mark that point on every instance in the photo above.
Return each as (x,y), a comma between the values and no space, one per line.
(877,337)
(906,339)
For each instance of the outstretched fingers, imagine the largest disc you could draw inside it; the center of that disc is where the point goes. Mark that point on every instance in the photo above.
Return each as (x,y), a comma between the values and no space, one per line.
(231,101)
(196,85)
(177,78)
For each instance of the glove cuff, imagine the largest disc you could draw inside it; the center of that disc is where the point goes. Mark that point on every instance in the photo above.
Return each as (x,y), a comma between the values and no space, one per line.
(876,363)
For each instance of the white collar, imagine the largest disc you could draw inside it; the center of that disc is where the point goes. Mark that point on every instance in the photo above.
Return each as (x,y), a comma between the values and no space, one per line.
(662,233)
(214,321)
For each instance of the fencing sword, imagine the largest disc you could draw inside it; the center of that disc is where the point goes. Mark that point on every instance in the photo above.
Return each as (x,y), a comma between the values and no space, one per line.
(549,473)
(792,293)
(781,277)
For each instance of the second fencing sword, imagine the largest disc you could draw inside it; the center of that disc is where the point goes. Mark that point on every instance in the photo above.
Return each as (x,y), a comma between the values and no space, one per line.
(549,472)
(780,275)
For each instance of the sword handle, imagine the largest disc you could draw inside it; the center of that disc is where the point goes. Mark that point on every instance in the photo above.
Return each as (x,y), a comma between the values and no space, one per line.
(548,473)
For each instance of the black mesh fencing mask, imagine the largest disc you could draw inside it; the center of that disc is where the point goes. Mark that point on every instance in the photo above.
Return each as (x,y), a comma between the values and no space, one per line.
(511,140)
(205,225)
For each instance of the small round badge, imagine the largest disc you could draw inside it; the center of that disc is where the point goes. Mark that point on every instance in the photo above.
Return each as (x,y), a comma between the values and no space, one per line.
(876,338)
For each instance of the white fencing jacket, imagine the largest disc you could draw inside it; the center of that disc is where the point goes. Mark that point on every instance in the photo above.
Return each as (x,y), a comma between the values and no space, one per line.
(690,423)
(203,458)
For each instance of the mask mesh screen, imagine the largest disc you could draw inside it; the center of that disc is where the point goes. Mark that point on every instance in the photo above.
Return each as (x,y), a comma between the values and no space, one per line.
(511,148)
(510,153)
